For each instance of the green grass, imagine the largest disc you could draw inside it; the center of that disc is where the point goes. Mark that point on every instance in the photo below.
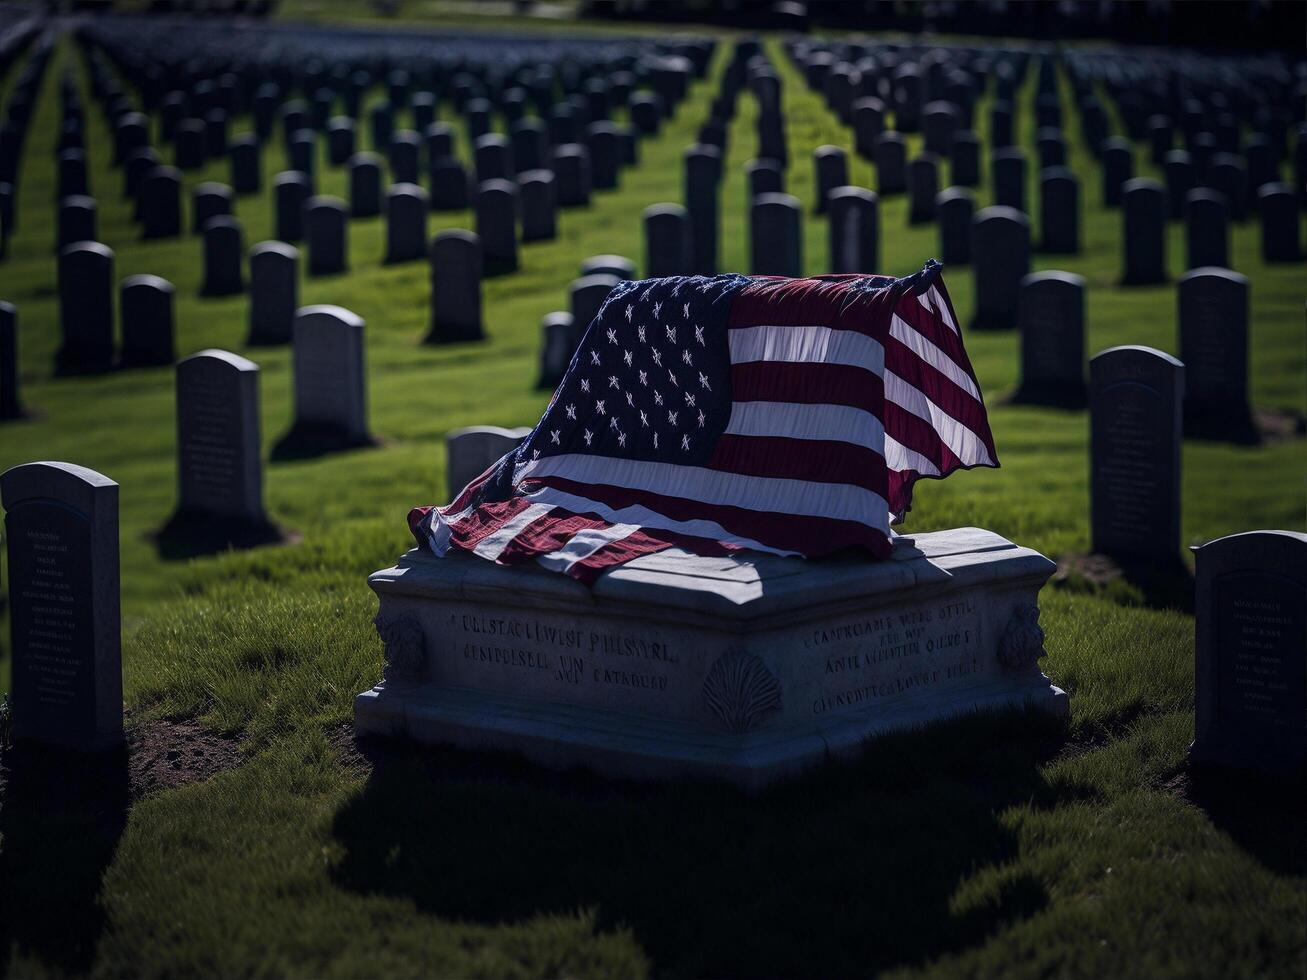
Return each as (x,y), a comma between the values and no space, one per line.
(998,846)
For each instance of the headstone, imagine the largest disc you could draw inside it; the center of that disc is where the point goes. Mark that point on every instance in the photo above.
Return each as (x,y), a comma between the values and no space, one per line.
(1213,318)
(330,379)
(496,224)
(135,170)
(274,292)
(209,200)
(341,140)
(832,170)
(71,179)
(326,221)
(1000,125)
(145,305)
(556,348)
(529,145)
(1118,168)
(449,185)
(215,134)
(456,267)
(1009,174)
(853,232)
(572,167)
(224,252)
(382,120)
(605,142)
(1000,259)
(219,464)
(188,145)
(667,242)
(1281,237)
(955,208)
(1250,633)
(763,177)
(587,295)
(1144,232)
(1207,229)
(161,203)
(61,528)
(11,405)
(1135,439)
(406,223)
(1059,211)
(86,307)
(291,192)
(939,123)
(246,167)
(703,173)
(891,164)
(1051,316)
(923,186)
(539,205)
(470,452)
(1227,175)
(76,221)
(1181,178)
(965,159)
(608,265)
(776,229)
(440,141)
(364,185)
(493,158)
(1051,148)
(405,156)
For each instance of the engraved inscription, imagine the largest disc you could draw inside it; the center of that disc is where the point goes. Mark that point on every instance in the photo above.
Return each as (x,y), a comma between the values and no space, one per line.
(51,660)
(209,458)
(1127,462)
(1213,358)
(1259,669)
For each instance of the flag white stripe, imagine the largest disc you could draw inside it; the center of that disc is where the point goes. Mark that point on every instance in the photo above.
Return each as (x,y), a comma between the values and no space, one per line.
(933,300)
(899,458)
(932,355)
(839,423)
(585,543)
(834,501)
(644,517)
(812,345)
(493,545)
(966,445)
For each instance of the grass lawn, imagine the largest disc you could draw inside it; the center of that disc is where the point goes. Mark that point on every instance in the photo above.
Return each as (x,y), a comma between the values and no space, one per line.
(984,847)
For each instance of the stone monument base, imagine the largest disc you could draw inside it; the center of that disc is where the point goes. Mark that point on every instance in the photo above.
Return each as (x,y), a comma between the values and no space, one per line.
(745,668)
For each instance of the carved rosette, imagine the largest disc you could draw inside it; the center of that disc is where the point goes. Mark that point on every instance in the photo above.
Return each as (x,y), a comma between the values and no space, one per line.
(741,691)
(405,647)
(1022,642)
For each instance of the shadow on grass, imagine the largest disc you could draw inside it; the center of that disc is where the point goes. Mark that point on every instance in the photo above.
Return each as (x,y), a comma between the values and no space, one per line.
(849,869)
(61,814)
(194,535)
(311,442)
(1157,585)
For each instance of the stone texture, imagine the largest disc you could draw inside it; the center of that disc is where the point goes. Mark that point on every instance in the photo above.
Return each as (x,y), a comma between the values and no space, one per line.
(61,531)
(743,668)
(330,377)
(326,228)
(667,241)
(407,206)
(274,292)
(1000,256)
(1212,311)
(456,269)
(853,230)
(224,255)
(469,451)
(86,307)
(776,229)
(145,304)
(1051,317)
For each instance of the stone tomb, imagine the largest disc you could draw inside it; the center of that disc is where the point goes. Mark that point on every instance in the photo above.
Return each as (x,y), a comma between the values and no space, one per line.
(61,528)
(745,668)
(1251,651)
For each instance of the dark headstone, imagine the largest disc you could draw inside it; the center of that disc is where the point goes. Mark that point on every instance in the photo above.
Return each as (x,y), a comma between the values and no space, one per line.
(456,266)
(853,232)
(667,241)
(891,163)
(188,145)
(1227,175)
(406,223)
(539,205)
(246,167)
(291,192)
(529,145)
(330,379)
(70,178)
(219,464)
(923,186)
(939,124)
(161,203)
(1144,232)
(1250,634)
(145,306)
(703,173)
(587,295)
(1000,125)
(209,200)
(1181,178)
(1008,169)
(493,158)
(224,253)
(1135,438)
(326,230)
(556,348)
(135,170)
(965,159)
(605,142)
(776,236)
(61,527)
(1118,167)
(832,170)
(868,125)
(1207,229)
(1051,316)
(274,292)
(11,405)
(1281,236)
(449,185)
(440,141)
(1059,211)
(1051,148)
(608,265)
(341,140)
(76,222)
(1000,258)
(405,157)
(86,307)
(954,211)
(1213,318)
(572,167)
(496,224)
(364,185)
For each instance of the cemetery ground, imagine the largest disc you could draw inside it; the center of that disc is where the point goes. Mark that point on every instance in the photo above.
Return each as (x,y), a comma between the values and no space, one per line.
(999,846)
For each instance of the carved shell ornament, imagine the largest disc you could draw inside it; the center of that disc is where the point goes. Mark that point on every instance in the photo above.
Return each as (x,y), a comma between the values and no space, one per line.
(405,647)
(741,691)
(1022,643)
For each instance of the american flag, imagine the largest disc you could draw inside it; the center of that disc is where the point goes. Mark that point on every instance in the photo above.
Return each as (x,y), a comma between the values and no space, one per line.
(789,416)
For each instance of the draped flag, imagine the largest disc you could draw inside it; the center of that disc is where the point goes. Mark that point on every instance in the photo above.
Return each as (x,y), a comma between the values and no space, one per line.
(789,416)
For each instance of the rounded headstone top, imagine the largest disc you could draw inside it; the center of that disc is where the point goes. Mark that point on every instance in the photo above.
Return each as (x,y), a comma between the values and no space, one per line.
(663,210)
(1147,184)
(214,354)
(489,139)
(539,176)
(291,177)
(569,150)
(1117,143)
(1212,272)
(408,136)
(1274,188)
(406,190)
(87,248)
(868,102)
(851,191)
(221,222)
(997,212)
(364,158)
(460,235)
(1057,173)
(77,201)
(281,249)
(147,281)
(1133,350)
(245,139)
(828,150)
(76,485)
(1053,275)
(613,265)
(1008,153)
(1253,540)
(497,186)
(325,201)
(777,199)
(955,194)
(164,172)
(212,187)
(517,433)
(340,123)
(325,312)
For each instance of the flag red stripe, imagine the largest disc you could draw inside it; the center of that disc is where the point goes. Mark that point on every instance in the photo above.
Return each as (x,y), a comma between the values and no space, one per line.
(940,389)
(808,384)
(813,460)
(548,533)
